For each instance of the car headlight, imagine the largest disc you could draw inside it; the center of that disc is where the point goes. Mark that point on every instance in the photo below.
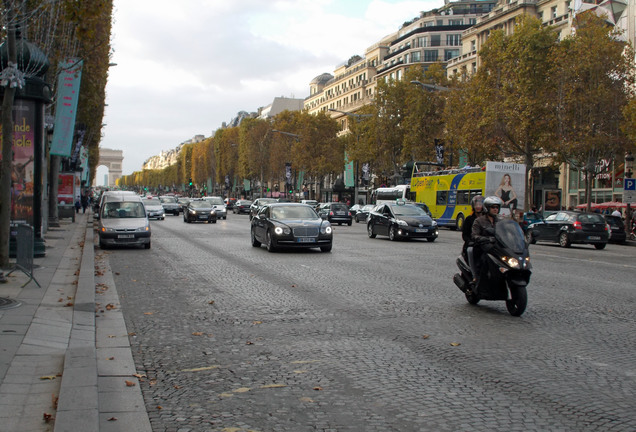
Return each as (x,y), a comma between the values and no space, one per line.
(325,229)
(143,228)
(434,223)
(282,230)
(401,222)
(107,230)
(191,211)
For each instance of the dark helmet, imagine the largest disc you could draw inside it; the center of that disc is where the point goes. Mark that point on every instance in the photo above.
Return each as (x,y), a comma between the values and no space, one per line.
(491,201)
(476,199)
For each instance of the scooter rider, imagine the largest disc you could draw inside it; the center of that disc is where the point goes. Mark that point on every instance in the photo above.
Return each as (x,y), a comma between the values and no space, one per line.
(483,234)
(477,204)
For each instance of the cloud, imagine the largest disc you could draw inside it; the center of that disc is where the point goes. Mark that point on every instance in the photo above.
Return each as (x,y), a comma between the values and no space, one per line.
(185,67)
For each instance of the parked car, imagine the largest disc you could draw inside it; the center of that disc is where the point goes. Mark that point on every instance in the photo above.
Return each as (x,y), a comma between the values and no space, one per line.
(617,229)
(170,205)
(567,227)
(400,220)
(258,204)
(199,210)
(336,213)
(291,225)
(363,213)
(122,221)
(242,206)
(218,205)
(154,208)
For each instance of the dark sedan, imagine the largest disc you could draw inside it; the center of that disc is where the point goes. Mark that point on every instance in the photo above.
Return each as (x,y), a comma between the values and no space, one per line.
(258,204)
(241,206)
(401,221)
(617,229)
(336,213)
(567,227)
(363,213)
(290,225)
(199,210)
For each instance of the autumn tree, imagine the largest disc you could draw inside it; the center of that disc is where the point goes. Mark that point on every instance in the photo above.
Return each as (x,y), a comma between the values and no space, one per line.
(594,74)
(255,138)
(226,152)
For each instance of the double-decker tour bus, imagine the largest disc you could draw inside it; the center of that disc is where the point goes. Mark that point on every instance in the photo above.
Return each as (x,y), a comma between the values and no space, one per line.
(448,193)
(383,195)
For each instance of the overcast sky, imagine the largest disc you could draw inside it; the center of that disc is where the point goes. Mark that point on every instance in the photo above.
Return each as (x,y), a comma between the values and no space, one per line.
(185,67)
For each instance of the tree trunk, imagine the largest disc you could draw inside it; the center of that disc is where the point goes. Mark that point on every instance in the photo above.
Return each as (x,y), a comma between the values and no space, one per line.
(7,144)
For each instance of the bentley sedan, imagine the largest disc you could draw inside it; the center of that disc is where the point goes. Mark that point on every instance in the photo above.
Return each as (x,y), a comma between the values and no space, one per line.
(199,210)
(290,225)
(401,221)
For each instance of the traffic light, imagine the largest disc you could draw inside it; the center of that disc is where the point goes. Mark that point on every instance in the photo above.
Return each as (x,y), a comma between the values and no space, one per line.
(291,191)
(190,181)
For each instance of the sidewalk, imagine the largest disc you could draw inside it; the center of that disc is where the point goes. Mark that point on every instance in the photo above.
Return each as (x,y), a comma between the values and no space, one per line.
(64,367)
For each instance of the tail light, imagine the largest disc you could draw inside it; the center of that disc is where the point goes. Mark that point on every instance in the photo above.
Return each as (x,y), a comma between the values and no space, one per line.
(349,213)
(331,213)
(577,225)
(607,228)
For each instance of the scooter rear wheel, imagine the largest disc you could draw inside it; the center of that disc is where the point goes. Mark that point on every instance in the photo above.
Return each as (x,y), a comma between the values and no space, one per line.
(517,304)
(472,298)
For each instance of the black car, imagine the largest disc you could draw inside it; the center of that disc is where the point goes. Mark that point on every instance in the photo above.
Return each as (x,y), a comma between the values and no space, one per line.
(241,206)
(199,210)
(183,203)
(170,205)
(258,204)
(336,213)
(567,227)
(400,220)
(617,229)
(290,225)
(363,212)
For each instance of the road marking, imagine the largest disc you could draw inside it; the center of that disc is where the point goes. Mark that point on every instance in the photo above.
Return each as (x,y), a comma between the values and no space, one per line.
(594,260)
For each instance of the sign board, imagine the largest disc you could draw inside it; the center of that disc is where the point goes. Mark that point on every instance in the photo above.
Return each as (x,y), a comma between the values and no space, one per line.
(629,190)
(508,182)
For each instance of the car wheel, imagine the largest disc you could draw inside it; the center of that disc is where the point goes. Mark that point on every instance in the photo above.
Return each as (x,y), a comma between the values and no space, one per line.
(224,217)
(255,242)
(270,243)
(357,221)
(326,248)
(431,239)
(600,246)
(392,234)
(530,237)
(564,241)
(213,220)
(102,245)
(349,223)
(147,245)
(370,232)
(459,222)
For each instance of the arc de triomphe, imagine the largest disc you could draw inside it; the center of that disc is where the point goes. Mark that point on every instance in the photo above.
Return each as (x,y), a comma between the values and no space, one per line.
(111,159)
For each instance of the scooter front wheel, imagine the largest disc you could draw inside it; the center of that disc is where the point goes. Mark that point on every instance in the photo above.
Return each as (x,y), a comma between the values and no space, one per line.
(518,301)
(472,298)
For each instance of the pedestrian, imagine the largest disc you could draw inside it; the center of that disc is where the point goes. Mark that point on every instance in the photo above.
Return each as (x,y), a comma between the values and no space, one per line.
(78,204)
(617,213)
(84,202)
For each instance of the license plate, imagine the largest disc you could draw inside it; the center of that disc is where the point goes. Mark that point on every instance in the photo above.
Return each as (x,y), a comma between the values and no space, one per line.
(593,238)
(340,213)
(203,217)
(122,236)
(306,240)
(421,230)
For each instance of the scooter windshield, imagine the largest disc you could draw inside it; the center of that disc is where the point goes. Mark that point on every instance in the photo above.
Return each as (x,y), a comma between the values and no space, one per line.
(509,233)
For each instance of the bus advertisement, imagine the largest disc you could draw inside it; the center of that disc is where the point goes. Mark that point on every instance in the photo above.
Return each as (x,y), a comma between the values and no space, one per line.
(448,193)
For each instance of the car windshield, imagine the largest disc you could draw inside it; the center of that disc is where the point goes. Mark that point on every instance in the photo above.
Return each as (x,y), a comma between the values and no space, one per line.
(266,201)
(168,200)
(200,204)
(367,208)
(591,218)
(510,234)
(121,210)
(244,203)
(408,210)
(215,201)
(152,202)
(293,212)
(341,207)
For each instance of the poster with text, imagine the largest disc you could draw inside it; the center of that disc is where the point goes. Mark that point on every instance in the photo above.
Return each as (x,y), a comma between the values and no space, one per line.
(507,181)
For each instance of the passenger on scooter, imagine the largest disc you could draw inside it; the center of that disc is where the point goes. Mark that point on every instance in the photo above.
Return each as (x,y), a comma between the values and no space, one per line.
(483,235)
(477,204)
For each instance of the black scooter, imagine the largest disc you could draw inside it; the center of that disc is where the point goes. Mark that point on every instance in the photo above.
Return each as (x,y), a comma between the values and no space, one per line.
(505,272)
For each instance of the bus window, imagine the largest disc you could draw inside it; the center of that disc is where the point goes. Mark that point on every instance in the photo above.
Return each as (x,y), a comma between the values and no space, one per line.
(442,197)
(463,197)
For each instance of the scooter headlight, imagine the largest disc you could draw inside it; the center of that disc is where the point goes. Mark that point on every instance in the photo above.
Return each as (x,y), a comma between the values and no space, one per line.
(512,262)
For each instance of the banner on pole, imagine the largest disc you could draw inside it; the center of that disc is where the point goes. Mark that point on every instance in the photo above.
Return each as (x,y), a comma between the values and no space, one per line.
(68,87)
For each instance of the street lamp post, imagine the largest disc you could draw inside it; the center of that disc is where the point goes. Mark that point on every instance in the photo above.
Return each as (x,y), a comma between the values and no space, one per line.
(297,138)
(355,171)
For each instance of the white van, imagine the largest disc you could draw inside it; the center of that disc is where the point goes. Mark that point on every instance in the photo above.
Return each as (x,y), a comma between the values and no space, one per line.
(123,222)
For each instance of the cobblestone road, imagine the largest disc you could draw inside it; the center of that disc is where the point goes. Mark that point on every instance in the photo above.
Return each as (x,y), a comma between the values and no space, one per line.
(233,338)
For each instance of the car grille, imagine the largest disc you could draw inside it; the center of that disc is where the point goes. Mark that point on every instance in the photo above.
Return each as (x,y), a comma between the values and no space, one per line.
(305,232)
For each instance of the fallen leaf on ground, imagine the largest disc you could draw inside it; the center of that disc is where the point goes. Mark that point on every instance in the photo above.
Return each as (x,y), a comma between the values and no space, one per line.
(211,302)
(257,322)
(425,336)
(54,400)
(306,399)
(47,417)
(112,419)
(177,387)
(317,388)
(111,358)
(68,304)
(268,386)
(148,313)
(242,390)
(130,383)
(110,306)
(47,377)
(152,382)
(197,334)
(200,369)
(455,344)
(249,343)
(159,407)
(111,336)
(140,375)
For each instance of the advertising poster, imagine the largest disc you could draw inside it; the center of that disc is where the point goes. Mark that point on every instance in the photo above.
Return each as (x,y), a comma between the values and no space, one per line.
(65,188)
(551,200)
(507,181)
(22,169)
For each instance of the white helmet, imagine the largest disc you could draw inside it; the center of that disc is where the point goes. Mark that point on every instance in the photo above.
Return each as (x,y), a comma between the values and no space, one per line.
(491,201)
